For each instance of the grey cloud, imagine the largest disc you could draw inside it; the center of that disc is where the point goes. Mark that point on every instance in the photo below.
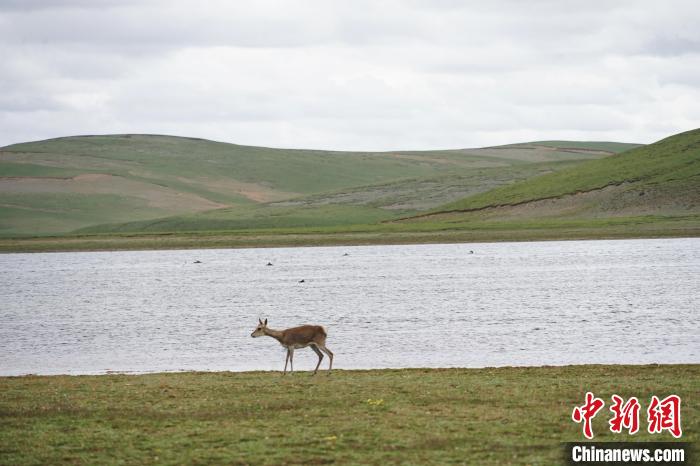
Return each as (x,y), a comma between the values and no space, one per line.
(34,5)
(350,75)
(669,45)
(28,103)
(29,5)
(158,26)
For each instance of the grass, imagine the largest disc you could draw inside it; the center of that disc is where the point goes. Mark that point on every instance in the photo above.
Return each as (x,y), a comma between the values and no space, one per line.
(387,233)
(352,206)
(253,218)
(547,190)
(43,213)
(144,168)
(613,147)
(411,416)
(9,169)
(676,158)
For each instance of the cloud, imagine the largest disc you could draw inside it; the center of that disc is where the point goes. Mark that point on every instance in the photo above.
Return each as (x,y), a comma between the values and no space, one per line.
(362,75)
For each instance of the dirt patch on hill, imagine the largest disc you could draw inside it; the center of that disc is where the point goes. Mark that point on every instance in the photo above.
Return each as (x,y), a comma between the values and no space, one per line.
(256,192)
(91,177)
(31,209)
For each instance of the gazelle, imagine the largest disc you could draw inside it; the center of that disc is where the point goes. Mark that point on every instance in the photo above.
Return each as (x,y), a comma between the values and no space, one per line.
(297,337)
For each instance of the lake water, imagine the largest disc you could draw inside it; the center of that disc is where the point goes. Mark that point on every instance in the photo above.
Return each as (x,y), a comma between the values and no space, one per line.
(537,303)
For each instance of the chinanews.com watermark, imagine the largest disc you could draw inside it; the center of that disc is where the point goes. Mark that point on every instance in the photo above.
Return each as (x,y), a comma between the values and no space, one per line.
(624,453)
(662,416)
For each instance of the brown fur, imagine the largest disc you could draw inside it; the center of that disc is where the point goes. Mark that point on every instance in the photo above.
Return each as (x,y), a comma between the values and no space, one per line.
(303,335)
(298,337)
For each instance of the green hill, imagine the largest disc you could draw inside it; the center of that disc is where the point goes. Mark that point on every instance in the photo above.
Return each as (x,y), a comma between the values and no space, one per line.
(661,179)
(165,183)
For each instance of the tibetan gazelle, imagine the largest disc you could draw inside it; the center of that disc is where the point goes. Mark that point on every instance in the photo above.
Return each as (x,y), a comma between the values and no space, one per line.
(295,338)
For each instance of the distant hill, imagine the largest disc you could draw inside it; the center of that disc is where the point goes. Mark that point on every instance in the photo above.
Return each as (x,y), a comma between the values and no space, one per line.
(660,179)
(166,183)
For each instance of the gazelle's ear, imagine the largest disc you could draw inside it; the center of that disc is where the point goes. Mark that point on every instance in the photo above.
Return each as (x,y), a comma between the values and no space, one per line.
(265,321)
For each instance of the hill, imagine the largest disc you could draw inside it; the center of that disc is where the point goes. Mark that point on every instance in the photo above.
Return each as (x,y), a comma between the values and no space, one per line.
(166,183)
(660,179)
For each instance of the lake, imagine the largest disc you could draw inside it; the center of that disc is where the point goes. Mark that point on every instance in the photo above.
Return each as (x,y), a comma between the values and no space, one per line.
(466,305)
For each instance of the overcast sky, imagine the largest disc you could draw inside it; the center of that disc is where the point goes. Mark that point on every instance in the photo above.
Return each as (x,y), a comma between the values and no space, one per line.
(365,75)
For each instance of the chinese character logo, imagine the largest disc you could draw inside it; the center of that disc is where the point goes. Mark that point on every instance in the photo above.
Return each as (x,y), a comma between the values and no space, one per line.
(665,415)
(587,412)
(661,415)
(624,415)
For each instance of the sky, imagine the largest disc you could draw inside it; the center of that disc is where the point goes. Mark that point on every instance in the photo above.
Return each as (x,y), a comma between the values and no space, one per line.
(351,75)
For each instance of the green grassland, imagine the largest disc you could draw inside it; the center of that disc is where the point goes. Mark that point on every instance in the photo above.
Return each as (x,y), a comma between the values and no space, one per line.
(61,211)
(139,192)
(153,177)
(674,162)
(412,416)
(466,231)
(266,217)
(613,147)
(353,206)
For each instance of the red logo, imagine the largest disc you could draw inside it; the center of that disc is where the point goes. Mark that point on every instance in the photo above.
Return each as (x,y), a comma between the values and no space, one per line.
(662,415)
(587,412)
(626,415)
(665,415)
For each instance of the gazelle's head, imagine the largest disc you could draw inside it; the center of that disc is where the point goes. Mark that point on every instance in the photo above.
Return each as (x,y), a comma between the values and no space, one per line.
(260,329)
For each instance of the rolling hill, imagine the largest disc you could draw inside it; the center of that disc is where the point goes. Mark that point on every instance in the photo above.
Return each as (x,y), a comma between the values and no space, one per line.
(165,183)
(660,179)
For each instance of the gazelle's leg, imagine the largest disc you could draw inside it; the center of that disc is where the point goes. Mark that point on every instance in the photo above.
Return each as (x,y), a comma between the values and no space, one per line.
(285,362)
(291,360)
(320,356)
(330,355)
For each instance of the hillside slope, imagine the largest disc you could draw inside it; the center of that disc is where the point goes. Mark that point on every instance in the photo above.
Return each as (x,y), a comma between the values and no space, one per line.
(659,179)
(63,184)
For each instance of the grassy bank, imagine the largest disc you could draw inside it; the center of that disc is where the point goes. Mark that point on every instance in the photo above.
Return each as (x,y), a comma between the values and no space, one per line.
(417,416)
(391,233)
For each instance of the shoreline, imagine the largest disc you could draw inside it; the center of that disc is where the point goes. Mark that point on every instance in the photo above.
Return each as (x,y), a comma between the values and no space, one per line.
(272,372)
(246,240)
